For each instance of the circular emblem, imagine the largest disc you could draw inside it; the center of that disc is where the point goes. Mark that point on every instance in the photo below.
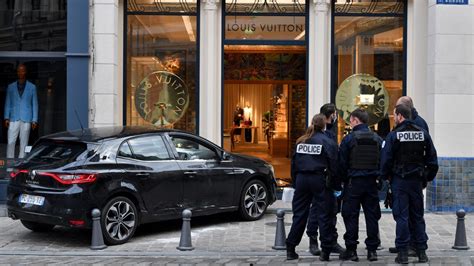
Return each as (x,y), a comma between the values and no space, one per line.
(161,98)
(365,91)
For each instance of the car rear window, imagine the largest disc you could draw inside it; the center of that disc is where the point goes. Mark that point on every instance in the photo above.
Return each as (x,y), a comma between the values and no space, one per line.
(55,151)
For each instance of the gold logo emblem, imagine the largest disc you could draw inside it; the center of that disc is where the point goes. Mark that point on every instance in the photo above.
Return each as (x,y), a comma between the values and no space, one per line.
(162,98)
(365,91)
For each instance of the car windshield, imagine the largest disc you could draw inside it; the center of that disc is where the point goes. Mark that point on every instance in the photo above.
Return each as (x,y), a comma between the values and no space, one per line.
(55,151)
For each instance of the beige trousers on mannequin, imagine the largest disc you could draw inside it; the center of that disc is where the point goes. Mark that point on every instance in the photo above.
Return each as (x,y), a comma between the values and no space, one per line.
(14,129)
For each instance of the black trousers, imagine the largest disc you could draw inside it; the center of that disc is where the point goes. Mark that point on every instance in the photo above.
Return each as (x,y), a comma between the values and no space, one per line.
(363,192)
(408,212)
(307,187)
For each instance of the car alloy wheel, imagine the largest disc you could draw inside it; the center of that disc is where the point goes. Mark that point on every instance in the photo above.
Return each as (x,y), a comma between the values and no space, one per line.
(254,200)
(119,220)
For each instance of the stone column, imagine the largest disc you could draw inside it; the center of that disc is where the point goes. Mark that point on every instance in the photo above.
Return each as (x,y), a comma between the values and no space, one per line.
(450,90)
(210,110)
(319,56)
(105,85)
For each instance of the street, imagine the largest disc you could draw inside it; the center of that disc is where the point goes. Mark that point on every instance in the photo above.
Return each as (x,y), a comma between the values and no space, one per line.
(218,239)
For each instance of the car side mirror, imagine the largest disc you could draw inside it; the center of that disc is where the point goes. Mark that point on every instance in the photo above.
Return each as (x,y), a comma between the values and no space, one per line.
(225,156)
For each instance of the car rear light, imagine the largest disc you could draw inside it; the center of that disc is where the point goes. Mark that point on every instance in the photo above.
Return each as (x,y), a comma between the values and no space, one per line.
(68,179)
(77,223)
(16,172)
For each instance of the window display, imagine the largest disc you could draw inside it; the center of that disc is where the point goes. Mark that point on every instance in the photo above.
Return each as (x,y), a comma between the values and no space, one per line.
(368,64)
(162,66)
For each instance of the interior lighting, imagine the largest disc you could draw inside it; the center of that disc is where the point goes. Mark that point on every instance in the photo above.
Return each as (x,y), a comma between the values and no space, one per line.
(189,28)
(301,35)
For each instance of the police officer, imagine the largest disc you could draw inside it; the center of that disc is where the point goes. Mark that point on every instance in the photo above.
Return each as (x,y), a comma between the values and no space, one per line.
(313,172)
(408,159)
(419,121)
(359,156)
(329,112)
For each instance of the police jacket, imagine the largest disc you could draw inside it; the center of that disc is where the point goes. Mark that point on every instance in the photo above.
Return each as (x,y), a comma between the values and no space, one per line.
(359,153)
(418,120)
(408,152)
(318,156)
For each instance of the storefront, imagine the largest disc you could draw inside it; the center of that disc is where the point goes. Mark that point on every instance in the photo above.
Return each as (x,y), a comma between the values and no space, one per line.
(194,65)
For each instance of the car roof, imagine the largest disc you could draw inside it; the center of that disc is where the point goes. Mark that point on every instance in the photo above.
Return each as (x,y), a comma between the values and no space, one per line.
(105,133)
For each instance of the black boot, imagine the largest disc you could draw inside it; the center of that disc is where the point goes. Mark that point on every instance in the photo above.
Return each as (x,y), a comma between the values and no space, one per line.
(349,254)
(313,246)
(422,257)
(291,253)
(324,256)
(402,257)
(337,249)
(372,255)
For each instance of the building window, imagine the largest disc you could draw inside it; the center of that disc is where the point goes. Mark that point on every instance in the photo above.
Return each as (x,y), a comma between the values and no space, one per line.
(33,25)
(161,85)
(368,60)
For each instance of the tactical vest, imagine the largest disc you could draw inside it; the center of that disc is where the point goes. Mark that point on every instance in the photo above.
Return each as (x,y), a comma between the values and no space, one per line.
(365,151)
(411,145)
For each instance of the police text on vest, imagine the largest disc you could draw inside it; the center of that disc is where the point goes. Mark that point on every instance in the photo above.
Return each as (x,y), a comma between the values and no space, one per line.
(411,136)
(309,148)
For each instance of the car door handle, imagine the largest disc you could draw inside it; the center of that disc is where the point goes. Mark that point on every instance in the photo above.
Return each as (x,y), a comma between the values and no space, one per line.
(190,173)
(143,175)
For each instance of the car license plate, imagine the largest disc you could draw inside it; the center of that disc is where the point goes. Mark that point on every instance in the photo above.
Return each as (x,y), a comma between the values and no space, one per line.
(29,199)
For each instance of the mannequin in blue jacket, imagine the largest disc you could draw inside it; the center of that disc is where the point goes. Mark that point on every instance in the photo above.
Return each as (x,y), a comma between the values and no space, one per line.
(21,112)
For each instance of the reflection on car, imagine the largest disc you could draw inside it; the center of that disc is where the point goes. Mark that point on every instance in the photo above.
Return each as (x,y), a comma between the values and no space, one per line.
(134,175)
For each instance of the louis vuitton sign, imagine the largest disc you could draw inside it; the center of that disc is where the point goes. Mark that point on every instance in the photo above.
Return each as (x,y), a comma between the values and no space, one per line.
(265,28)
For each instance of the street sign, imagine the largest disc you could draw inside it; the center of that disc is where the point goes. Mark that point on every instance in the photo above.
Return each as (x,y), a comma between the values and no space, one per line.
(452,2)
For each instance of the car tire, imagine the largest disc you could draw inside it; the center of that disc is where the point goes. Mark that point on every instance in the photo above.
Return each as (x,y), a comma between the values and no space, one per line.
(119,220)
(37,227)
(253,200)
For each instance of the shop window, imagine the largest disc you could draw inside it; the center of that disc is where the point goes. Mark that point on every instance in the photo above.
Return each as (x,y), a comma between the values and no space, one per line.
(369,60)
(161,64)
(49,77)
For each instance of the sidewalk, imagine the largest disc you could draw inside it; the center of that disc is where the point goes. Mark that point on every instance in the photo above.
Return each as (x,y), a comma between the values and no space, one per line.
(217,239)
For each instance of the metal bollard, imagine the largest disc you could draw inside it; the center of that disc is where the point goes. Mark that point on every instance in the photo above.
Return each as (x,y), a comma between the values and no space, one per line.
(280,235)
(185,240)
(97,242)
(460,242)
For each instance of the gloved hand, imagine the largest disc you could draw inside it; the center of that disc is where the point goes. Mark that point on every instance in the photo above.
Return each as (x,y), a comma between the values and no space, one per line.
(388,199)
(337,193)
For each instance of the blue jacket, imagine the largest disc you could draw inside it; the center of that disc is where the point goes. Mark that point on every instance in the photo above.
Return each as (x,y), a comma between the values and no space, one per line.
(418,120)
(309,162)
(344,156)
(388,164)
(24,108)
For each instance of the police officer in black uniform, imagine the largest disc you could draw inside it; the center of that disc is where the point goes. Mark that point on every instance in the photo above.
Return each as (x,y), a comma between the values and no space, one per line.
(408,160)
(314,175)
(419,121)
(359,156)
(329,112)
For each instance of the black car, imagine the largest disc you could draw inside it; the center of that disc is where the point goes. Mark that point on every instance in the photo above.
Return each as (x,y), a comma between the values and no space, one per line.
(134,175)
